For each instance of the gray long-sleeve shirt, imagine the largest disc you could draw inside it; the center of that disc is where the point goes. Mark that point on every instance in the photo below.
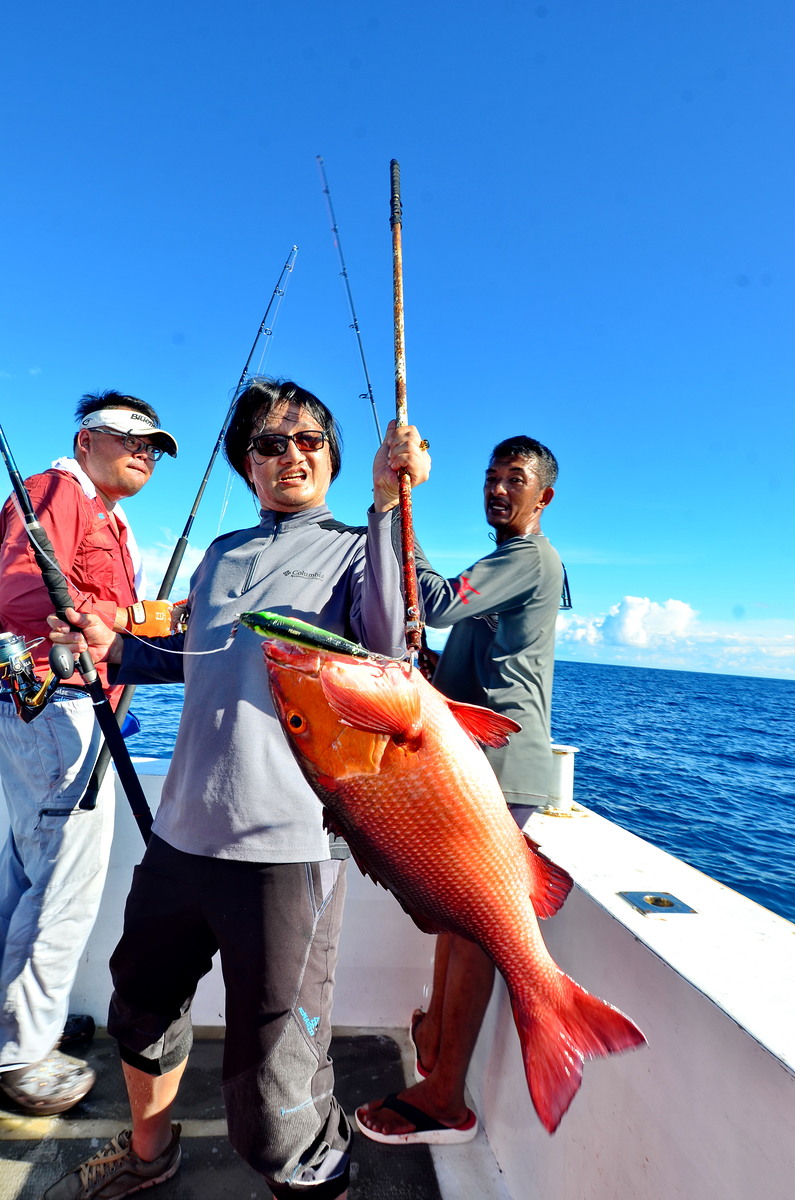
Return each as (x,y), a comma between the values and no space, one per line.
(501,650)
(234,789)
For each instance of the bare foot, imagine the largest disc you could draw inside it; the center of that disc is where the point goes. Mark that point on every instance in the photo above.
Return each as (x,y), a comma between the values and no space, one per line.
(381,1119)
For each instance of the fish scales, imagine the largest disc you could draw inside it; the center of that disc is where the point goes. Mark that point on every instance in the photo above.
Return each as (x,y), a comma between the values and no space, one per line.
(396,767)
(427,806)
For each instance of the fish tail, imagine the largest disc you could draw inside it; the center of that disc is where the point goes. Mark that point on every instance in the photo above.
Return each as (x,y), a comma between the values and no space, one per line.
(556,1042)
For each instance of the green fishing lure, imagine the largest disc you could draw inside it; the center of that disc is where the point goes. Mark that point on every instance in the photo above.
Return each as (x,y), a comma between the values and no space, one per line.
(269,624)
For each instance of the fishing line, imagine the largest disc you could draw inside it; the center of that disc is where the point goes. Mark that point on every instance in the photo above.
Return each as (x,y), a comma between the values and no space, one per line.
(81,595)
(183,653)
(178,553)
(225,500)
(265,332)
(85,596)
(344,273)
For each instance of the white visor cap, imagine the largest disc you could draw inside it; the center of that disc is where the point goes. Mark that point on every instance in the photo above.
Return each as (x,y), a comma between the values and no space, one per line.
(128,420)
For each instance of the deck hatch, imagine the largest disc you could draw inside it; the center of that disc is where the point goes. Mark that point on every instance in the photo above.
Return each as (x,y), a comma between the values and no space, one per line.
(660,904)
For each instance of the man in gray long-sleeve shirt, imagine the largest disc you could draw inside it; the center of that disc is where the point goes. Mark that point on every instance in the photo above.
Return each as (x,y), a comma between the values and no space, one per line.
(239,861)
(499,655)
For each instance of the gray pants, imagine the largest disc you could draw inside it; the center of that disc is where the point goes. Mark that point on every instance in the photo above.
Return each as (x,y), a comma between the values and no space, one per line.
(276,926)
(52,869)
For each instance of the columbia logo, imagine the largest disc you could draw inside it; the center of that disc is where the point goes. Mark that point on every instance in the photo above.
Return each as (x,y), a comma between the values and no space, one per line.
(303,575)
(310,1022)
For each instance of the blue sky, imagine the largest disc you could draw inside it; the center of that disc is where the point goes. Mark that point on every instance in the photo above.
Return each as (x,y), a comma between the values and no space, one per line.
(598,251)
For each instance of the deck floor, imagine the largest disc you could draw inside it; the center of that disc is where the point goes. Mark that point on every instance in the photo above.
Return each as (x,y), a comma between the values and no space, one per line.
(35,1151)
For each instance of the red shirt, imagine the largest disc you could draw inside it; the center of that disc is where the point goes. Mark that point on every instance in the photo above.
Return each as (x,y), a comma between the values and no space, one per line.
(91,549)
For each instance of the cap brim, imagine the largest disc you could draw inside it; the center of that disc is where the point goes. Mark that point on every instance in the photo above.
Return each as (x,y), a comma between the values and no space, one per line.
(160,438)
(114,420)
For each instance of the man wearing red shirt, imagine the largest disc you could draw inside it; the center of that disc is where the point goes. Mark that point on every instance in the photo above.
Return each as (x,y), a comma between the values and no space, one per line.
(53,865)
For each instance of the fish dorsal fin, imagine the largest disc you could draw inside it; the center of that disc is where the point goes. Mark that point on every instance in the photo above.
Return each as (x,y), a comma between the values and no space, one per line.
(483,724)
(551,884)
(375,700)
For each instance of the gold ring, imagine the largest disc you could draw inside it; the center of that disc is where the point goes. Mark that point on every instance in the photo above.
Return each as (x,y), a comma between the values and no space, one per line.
(425,444)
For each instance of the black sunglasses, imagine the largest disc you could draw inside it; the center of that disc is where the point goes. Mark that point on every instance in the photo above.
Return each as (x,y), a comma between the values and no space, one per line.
(269,445)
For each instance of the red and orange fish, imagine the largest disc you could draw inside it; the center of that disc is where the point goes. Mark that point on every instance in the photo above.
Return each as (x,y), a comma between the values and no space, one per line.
(403,780)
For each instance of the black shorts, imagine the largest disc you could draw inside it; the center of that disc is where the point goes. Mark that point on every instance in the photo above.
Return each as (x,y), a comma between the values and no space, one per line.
(277,928)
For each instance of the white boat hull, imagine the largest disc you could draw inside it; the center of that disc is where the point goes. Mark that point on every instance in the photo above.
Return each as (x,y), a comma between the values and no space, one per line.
(707,1109)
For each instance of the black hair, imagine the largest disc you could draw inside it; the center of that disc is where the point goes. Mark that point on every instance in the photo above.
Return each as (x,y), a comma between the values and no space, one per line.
(545,464)
(93,401)
(252,407)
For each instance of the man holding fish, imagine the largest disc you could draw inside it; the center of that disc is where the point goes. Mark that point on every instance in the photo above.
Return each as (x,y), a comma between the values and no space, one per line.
(239,860)
(500,655)
(398,768)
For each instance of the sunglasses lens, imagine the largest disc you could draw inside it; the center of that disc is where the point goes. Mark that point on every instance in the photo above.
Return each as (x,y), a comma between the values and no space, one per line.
(309,440)
(271,444)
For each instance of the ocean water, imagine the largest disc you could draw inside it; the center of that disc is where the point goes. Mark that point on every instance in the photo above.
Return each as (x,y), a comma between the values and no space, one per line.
(701,765)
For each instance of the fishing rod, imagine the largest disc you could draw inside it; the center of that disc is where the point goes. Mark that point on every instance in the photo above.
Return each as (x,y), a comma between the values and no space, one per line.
(63,664)
(413,621)
(264,330)
(344,272)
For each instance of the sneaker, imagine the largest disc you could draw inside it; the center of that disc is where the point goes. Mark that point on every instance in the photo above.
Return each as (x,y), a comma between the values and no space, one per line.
(116,1170)
(51,1086)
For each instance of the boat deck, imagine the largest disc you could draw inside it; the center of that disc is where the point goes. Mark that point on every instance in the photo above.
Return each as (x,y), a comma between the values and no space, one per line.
(35,1151)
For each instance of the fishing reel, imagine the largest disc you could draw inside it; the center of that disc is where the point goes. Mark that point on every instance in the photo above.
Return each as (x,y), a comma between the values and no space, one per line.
(19,680)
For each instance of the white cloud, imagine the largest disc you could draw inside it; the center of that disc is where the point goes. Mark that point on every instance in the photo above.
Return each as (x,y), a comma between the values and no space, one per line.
(643,632)
(638,621)
(634,621)
(156,560)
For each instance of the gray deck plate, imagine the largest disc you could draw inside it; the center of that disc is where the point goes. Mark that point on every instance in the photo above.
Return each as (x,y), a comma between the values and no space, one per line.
(365,1067)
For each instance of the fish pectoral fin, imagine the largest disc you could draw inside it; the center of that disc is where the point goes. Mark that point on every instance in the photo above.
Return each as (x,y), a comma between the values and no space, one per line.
(388,702)
(485,726)
(550,883)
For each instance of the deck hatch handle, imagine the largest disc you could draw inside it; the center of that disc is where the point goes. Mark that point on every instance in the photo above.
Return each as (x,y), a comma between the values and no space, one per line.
(660,904)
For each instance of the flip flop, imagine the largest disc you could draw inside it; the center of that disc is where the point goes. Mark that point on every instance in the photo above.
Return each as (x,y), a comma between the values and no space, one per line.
(419,1070)
(426,1130)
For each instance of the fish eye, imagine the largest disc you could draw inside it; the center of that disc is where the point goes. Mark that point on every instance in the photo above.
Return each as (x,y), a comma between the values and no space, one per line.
(296,722)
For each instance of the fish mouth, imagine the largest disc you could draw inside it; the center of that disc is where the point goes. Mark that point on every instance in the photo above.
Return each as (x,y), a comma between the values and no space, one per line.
(291,656)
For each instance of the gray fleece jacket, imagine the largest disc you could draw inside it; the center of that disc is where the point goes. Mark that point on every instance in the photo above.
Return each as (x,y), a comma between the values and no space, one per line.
(234,789)
(501,650)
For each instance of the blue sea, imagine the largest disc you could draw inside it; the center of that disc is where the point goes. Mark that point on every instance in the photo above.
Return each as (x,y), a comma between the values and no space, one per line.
(701,765)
